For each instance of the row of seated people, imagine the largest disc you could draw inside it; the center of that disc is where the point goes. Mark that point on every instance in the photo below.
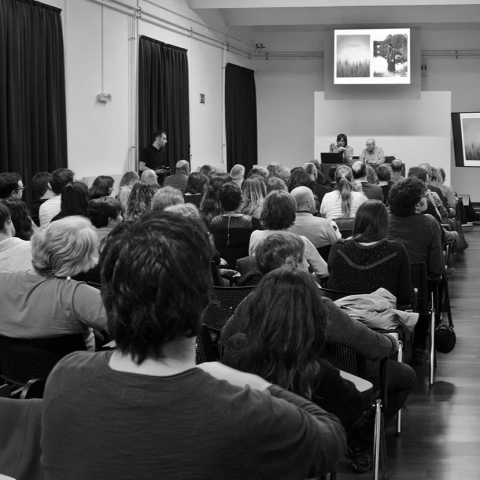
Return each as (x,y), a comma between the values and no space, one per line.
(53,267)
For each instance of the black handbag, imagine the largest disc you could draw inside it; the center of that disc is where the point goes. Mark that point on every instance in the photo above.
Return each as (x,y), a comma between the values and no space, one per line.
(445,338)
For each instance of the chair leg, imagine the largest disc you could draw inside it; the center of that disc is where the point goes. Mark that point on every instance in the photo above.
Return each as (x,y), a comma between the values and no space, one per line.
(446,300)
(432,341)
(383,448)
(399,414)
(377,438)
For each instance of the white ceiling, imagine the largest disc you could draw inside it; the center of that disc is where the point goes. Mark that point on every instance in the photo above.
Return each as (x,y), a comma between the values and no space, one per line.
(276,15)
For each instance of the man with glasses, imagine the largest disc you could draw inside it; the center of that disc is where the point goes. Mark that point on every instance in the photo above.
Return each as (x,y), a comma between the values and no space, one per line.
(371,154)
(11,186)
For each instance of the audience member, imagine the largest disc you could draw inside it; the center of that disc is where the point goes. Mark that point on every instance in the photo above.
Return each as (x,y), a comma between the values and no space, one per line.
(74,201)
(128,179)
(23,224)
(210,206)
(207,170)
(278,334)
(184,209)
(279,214)
(262,172)
(428,168)
(102,186)
(421,235)
(15,253)
(343,202)
(372,175)
(397,166)
(166,196)
(318,189)
(149,176)
(373,192)
(369,260)
(283,173)
(50,208)
(180,178)
(254,193)
(273,169)
(123,196)
(197,185)
(46,302)
(238,174)
(139,200)
(319,231)
(436,180)
(276,183)
(105,213)
(41,192)
(155,359)
(11,186)
(384,176)
(232,229)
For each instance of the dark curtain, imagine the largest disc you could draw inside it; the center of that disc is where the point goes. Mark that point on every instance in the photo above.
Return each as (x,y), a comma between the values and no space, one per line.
(33,119)
(163,99)
(240,117)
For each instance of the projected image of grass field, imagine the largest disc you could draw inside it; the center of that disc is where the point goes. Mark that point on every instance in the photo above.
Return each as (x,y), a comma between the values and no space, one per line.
(472,151)
(353,69)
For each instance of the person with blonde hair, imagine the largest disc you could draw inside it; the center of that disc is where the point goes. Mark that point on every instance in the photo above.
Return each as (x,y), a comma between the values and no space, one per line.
(238,174)
(167,196)
(254,193)
(344,201)
(46,302)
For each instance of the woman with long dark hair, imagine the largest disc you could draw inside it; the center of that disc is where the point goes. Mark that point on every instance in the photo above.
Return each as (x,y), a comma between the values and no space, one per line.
(280,332)
(102,186)
(369,260)
(344,201)
(23,224)
(74,201)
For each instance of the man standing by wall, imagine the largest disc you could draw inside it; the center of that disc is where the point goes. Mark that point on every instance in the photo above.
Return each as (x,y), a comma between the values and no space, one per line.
(152,157)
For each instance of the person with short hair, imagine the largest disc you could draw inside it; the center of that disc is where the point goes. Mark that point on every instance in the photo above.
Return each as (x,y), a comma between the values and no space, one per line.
(51,208)
(283,173)
(153,156)
(232,229)
(278,214)
(343,202)
(197,185)
(149,176)
(273,169)
(15,253)
(238,174)
(317,188)
(180,178)
(105,213)
(165,197)
(397,166)
(11,186)
(46,302)
(41,192)
(384,175)
(275,183)
(102,186)
(161,393)
(341,146)
(320,231)
(371,154)
(372,191)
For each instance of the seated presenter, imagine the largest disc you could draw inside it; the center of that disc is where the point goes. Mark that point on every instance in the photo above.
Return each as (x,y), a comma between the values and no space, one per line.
(371,154)
(341,146)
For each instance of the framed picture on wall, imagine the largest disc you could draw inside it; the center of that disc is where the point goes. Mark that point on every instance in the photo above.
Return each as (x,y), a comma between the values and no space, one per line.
(466,139)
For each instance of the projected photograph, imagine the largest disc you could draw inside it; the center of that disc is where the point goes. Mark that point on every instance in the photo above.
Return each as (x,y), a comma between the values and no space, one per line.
(353,56)
(466,139)
(372,56)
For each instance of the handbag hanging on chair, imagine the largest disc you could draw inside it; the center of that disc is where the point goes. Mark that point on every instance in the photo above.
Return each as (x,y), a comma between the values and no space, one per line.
(445,337)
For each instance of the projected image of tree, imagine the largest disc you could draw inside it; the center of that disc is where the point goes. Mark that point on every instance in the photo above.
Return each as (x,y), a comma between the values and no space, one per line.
(471,138)
(353,56)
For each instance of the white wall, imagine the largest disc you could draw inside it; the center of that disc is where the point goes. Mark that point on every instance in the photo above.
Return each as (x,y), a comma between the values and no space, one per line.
(286,88)
(102,137)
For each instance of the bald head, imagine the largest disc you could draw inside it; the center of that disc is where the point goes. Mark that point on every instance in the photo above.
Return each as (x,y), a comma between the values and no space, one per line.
(425,166)
(397,165)
(370,144)
(359,170)
(304,198)
(182,165)
(149,176)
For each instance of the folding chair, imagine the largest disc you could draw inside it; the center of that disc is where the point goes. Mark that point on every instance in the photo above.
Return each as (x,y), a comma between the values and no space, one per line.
(206,348)
(223,302)
(425,305)
(348,360)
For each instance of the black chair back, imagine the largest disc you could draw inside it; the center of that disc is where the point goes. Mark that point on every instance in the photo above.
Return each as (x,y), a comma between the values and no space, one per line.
(22,359)
(324,251)
(206,348)
(418,277)
(223,302)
